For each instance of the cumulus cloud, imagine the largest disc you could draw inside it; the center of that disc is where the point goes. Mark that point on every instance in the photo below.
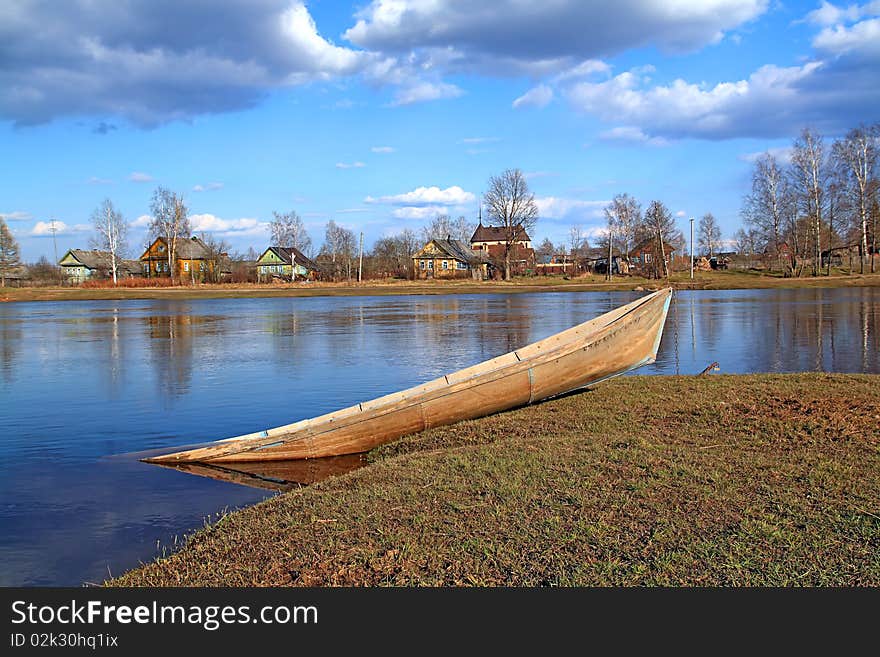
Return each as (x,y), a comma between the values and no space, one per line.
(781,153)
(863,37)
(210,187)
(142,221)
(554,207)
(45,229)
(539,96)
(421,196)
(228,227)
(830,14)
(423,90)
(419,213)
(18,215)
(350,165)
(153,61)
(382,149)
(633,135)
(140,177)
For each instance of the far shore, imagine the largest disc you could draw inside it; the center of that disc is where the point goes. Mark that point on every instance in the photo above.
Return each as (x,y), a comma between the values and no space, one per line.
(714,280)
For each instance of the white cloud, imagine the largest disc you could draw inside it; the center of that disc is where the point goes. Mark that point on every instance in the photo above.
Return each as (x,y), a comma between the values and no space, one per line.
(210,187)
(140,177)
(479,140)
(350,165)
(863,37)
(553,207)
(781,153)
(830,14)
(94,180)
(18,215)
(681,213)
(228,227)
(382,149)
(142,221)
(539,96)
(421,91)
(420,196)
(631,134)
(420,213)
(44,228)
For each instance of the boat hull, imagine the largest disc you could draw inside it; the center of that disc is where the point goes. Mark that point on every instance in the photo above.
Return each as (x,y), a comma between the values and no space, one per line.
(607,346)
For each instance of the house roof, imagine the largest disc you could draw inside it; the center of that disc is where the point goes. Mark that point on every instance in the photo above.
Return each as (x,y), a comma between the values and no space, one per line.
(667,247)
(93,259)
(497,234)
(284,253)
(457,250)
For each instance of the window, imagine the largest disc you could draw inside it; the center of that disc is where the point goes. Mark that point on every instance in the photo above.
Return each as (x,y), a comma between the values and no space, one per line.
(445,264)
(185,266)
(647,257)
(460,265)
(202,265)
(146,267)
(430,264)
(161,248)
(421,264)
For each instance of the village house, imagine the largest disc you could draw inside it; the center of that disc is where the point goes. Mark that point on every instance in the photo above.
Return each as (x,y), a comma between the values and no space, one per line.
(79,265)
(193,260)
(646,259)
(559,263)
(279,261)
(491,241)
(449,258)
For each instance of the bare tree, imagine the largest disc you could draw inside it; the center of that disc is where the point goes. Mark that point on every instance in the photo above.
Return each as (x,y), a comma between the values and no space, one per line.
(9,252)
(170,221)
(288,231)
(808,170)
(216,258)
(766,206)
(340,246)
(709,234)
(512,208)
(658,219)
(747,242)
(857,155)
(442,226)
(625,213)
(577,240)
(112,232)
(545,250)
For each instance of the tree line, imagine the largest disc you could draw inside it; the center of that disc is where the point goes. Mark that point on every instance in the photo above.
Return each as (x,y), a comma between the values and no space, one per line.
(821,200)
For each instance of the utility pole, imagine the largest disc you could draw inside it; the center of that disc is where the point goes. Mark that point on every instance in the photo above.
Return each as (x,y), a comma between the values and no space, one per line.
(55,247)
(361,258)
(692,247)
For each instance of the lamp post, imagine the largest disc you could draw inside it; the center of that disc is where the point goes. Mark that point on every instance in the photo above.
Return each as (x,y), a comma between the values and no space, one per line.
(692,247)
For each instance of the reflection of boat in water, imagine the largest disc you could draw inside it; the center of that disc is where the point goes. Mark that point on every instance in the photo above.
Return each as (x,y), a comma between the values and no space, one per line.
(275,475)
(611,344)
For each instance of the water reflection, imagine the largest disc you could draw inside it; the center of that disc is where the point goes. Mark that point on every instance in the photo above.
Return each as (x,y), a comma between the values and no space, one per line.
(83,380)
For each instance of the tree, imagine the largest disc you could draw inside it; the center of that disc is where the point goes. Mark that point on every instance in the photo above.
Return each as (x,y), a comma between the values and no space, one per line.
(808,171)
(340,246)
(624,215)
(856,154)
(659,221)
(577,240)
(709,233)
(216,258)
(512,208)
(112,234)
(170,221)
(545,250)
(443,227)
(766,207)
(393,254)
(9,252)
(289,231)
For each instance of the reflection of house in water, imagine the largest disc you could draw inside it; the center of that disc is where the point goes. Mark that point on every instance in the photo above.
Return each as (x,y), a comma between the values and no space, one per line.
(171,347)
(10,343)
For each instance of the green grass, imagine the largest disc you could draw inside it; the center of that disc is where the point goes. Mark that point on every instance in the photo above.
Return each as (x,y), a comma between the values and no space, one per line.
(721,480)
(710,280)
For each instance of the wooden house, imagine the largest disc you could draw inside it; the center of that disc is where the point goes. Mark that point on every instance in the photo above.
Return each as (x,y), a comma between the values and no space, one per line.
(491,241)
(449,258)
(646,259)
(79,265)
(280,262)
(193,260)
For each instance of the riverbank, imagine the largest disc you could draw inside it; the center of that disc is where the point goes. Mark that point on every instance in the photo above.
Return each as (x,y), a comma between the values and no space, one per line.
(719,480)
(713,280)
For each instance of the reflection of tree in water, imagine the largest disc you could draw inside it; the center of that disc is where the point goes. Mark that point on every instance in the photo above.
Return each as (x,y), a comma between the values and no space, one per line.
(10,343)
(171,348)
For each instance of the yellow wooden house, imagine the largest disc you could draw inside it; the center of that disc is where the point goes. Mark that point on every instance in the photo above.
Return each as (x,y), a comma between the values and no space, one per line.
(192,259)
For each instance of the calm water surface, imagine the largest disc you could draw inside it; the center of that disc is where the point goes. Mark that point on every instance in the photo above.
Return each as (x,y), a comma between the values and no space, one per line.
(85,384)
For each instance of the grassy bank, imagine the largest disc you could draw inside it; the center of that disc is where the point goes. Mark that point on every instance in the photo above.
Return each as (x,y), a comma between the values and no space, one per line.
(720,480)
(714,280)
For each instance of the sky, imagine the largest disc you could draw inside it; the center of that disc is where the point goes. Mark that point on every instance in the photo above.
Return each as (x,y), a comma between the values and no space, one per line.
(382,114)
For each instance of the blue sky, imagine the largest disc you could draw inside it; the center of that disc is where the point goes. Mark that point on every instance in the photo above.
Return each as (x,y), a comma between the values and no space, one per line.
(380,115)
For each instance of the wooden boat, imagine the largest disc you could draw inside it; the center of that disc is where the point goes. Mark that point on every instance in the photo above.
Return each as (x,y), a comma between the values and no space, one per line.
(607,346)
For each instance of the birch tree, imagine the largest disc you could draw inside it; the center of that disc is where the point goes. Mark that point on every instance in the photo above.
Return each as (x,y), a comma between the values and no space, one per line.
(111,235)
(709,234)
(808,169)
(512,208)
(857,155)
(170,221)
(9,252)
(765,206)
(658,219)
(625,213)
(288,230)
(443,227)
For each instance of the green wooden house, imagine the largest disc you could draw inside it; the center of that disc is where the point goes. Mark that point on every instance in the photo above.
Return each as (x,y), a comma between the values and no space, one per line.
(277,262)
(80,265)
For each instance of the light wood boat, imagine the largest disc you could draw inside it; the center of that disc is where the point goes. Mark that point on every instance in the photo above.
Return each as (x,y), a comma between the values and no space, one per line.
(607,346)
